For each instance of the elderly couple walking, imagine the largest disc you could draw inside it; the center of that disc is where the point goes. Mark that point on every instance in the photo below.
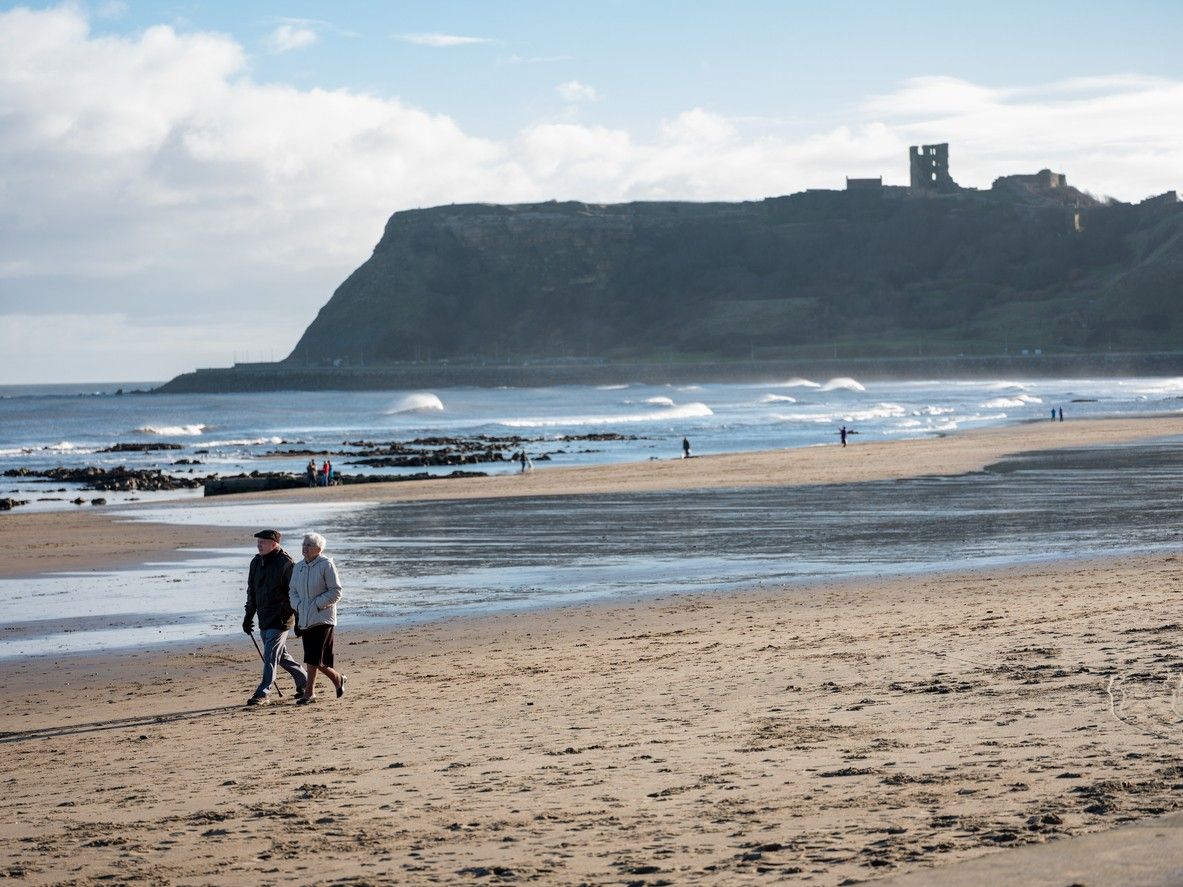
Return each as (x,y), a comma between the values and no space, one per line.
(281,592)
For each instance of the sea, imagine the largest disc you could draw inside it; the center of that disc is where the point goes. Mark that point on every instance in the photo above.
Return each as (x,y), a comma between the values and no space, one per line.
(407,562)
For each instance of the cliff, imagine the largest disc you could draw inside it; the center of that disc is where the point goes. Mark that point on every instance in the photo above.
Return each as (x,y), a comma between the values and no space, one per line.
(875,273)
(878,273)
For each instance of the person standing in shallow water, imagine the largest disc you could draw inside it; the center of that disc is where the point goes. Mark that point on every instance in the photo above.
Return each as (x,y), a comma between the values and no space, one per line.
(267,597)
(685,448)
(313,593)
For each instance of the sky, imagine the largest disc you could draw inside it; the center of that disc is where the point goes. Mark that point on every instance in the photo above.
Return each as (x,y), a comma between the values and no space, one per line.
(184,184)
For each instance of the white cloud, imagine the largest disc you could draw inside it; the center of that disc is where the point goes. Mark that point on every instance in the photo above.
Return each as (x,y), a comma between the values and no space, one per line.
(441,40)
(287,37)
(149,176)
(574,91)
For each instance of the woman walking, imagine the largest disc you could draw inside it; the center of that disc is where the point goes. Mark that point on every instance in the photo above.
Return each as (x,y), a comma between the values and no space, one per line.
(314,592)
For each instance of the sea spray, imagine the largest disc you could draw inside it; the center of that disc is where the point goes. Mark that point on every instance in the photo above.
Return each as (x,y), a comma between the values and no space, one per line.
(843,383)
(423,402)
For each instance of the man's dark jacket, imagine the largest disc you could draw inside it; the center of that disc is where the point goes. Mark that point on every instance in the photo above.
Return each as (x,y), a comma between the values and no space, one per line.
(267,591)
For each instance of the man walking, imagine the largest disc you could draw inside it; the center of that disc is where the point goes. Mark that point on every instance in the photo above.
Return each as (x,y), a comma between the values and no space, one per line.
(267,596)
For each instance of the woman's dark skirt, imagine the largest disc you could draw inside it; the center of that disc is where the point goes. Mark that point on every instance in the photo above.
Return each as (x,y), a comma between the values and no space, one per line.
(318,645)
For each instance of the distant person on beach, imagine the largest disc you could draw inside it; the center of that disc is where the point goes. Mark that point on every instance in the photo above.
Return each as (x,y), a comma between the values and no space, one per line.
(1053,414)
(685,448)
(313,593)
(526,463)
(312,472)
(1061,414)
(267,597)
(324,474)
(843,432)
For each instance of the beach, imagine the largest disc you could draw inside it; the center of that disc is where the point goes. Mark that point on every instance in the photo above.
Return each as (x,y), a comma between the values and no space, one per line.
(822,733)
(95,539)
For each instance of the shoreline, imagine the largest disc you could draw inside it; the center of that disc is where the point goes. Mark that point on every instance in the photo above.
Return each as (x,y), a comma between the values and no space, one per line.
(46,542)
(851,729)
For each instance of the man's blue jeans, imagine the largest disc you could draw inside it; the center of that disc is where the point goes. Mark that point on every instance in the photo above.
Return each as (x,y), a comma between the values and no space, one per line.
(275,654)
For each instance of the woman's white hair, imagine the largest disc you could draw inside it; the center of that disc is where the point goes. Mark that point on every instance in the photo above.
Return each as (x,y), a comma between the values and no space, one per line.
(316,540)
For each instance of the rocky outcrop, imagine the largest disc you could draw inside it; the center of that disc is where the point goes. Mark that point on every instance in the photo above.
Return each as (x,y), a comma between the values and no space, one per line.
(94,478)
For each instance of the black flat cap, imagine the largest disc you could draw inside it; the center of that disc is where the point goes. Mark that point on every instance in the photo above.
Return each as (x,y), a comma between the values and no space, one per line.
(273,535)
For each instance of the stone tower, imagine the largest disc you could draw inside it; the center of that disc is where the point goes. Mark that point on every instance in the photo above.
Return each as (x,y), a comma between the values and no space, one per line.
(929,166)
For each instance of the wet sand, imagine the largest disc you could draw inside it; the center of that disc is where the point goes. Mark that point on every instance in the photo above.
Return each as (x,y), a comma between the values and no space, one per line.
(38,542)
(844,731)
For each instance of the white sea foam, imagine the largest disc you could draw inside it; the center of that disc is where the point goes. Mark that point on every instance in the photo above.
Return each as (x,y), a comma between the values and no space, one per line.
(62,447)
(173,430)
(878,411)
(686,411)
(243,442)
(1022,400)
(1002,385)
(611,387)
(777,398)
(689,388)
(1163,386)
(417,403)
(844,383)
(660,401)
(933,411)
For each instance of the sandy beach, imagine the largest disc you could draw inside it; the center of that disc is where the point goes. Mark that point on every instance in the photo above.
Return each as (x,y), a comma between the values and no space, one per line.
(827,734)
(73,540)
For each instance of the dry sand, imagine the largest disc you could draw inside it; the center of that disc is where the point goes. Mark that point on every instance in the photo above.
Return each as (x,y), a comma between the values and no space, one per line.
(842,731)
(821,734)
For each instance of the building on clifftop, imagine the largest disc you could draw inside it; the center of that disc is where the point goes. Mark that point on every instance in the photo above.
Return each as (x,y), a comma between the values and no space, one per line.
(929,168)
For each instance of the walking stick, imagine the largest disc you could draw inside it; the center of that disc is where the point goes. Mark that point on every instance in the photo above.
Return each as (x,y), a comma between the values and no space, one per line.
(264,661)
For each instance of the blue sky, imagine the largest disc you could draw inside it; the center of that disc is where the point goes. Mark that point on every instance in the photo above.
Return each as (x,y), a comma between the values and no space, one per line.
(185,182)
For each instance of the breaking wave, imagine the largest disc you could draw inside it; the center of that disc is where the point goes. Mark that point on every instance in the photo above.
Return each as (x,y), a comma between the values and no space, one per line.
(173,430)
(611,387)
(777,398)
(417,403)
(843,383)
(660,401)
(243,442)
(795,382)
(1021,401)
(686,411)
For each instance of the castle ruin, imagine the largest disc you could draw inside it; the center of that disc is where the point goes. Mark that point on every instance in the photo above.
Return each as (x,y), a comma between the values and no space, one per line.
(929,168)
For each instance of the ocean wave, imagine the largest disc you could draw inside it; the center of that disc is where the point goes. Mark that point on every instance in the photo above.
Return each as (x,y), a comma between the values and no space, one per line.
(1002,385)
(62,447)
(659,401)
(777,398)
(243,442)
(611,387)
(795,382)
(689,388)
(686,411)
(173,430)
(878,411)
(417,403)
(1003,402)
(1162,386)
(933,411)
(843,383)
